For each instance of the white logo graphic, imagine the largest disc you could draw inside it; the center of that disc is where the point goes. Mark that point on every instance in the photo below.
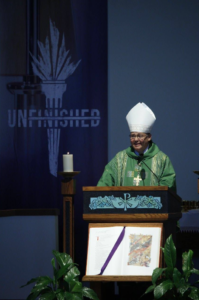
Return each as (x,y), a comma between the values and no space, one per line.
(53,67)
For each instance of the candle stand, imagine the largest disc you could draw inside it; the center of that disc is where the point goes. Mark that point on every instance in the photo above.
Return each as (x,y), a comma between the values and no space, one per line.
(68,190)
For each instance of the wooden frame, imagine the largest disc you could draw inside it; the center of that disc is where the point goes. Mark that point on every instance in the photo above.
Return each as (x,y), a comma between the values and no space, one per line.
(123,278)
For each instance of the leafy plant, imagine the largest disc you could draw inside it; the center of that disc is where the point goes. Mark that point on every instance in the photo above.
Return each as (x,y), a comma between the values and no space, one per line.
(64,285)
(169,282)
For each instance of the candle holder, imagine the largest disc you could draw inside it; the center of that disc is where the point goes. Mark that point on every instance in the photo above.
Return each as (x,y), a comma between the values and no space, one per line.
(68,190)
(68,175)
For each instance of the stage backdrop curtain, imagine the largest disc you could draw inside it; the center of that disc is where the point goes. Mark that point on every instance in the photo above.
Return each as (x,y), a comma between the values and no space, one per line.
(53,100)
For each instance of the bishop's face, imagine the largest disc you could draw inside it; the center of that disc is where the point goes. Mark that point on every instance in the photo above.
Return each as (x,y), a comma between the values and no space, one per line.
(140,141)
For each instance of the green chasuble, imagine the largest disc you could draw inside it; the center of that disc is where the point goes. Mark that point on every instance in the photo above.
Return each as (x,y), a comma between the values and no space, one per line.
(128,169)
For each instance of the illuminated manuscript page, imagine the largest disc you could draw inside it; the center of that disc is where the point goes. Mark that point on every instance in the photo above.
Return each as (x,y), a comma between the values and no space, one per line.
(138,253)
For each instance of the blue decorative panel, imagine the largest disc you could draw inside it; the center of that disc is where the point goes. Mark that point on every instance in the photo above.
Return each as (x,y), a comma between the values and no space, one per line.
(127,202)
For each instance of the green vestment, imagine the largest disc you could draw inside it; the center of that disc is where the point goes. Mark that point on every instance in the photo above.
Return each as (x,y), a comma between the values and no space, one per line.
(154,169)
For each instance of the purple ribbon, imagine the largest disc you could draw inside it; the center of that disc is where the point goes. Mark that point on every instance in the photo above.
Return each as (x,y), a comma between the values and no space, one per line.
(120,238)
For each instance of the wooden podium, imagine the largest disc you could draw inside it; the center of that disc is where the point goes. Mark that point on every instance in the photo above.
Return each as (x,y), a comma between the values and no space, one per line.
(131,205)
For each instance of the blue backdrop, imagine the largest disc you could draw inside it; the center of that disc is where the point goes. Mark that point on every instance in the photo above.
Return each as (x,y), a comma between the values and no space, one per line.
(153,58)
(58,106)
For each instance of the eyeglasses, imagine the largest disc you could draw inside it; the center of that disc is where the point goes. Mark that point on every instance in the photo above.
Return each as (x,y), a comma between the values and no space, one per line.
(140,137)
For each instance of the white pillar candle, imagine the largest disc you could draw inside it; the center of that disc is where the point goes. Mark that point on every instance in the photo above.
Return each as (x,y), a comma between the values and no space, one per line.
(68,162)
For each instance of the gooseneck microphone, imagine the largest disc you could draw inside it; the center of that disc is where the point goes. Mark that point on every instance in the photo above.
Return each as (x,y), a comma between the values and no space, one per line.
(140,160)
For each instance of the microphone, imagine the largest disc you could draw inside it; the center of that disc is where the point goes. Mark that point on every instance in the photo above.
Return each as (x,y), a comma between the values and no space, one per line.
(140,159)
(143,174)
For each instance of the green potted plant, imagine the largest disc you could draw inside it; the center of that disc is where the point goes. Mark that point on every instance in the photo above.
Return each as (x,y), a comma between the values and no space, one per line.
(169,282)
(64,285)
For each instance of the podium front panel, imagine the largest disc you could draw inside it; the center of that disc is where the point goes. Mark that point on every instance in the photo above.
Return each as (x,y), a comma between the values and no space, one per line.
(135,201)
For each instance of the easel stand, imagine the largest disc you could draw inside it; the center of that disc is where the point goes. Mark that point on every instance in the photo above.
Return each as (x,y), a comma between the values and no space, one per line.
(125,211)
(68,190)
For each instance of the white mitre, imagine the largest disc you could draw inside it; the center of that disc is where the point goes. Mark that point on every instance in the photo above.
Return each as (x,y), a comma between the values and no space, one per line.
(140,118)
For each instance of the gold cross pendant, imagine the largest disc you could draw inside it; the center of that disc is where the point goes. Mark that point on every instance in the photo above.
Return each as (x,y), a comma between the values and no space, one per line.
(136,180)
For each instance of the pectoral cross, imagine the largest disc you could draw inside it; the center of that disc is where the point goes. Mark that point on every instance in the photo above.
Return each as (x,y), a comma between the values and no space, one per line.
(137,180)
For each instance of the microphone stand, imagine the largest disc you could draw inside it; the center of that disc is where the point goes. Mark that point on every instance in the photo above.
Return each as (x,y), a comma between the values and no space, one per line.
(151,171)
